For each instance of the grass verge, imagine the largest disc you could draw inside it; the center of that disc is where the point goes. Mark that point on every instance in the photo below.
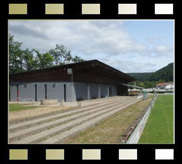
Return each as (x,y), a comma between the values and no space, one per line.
(110,129)
(159,128)
(18,107)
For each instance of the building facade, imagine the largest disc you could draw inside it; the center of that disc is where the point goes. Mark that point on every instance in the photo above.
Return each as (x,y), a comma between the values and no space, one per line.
(71,82)
(168,85)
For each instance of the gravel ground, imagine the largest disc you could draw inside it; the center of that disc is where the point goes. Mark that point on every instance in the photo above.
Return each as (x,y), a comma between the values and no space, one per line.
(18,115)
(55,130)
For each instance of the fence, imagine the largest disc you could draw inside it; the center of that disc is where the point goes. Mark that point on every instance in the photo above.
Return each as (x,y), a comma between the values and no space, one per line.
(133,133)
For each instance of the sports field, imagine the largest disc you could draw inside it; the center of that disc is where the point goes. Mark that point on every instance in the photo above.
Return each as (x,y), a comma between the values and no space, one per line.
(159,128)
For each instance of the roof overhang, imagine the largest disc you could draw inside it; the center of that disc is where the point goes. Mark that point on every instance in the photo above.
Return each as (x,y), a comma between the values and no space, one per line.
(92,66)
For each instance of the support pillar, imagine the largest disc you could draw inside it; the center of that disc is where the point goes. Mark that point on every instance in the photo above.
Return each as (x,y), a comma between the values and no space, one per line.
(99,92)
(88,92)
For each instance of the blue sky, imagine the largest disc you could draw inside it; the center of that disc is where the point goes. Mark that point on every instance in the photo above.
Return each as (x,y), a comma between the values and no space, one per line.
(130,45)
(150,29)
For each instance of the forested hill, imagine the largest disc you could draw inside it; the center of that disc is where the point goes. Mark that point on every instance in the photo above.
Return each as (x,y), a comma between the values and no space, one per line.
(141,76)
(163,74)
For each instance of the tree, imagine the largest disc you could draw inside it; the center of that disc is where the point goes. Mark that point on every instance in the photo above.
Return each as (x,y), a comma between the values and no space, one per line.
(67,57)
(43,60)
(140,84)
(149,84)
(60,54)
(77,59)
(63,56)
(29,60)
(15,56)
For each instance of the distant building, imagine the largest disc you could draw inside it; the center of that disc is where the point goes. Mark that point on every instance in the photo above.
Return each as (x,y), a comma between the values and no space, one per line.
(168,85)
(71,82)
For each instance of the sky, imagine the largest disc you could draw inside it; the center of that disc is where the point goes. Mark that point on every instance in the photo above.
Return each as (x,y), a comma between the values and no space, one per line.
(127,45)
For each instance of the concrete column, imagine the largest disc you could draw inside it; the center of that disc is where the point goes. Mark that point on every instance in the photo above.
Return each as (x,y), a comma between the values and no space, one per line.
(74,98)
(88,92)
(107,91)
(98,91)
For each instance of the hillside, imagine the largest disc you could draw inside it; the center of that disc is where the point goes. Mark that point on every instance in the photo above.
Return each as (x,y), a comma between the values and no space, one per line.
(164,74)
(141,76)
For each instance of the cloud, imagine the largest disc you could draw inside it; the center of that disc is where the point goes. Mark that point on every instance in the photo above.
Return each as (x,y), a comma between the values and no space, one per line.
(158,47)
(163,49)
(107,40)
(26,31)
(155,39)
(128,66)
(88,37)
(159,51)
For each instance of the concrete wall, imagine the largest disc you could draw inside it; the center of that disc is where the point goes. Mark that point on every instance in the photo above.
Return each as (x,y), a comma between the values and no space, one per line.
(93,91)
(89,91)
(113,91)
(55,90)
(103,90)
(80,90)
(13,93)
(70,92)
(26,91)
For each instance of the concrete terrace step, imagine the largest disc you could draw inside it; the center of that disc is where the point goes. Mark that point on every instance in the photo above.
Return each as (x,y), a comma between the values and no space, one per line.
(38,121)
(95,103)
(20,133)
(58,129)
(58,138)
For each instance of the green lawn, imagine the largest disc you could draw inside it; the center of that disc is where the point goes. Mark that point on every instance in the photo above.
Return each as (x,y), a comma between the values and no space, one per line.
(18,107)
(159,128)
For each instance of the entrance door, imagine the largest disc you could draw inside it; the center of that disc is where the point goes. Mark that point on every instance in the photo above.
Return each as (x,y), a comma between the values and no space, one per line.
(35,92)
(45,91)
(65,92)
(110,91)
(17,86)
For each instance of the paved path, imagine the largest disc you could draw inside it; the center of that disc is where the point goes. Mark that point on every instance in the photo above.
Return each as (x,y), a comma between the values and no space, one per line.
(53,128)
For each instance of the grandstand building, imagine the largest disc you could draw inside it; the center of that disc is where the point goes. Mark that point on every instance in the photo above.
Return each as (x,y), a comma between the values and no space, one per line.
(71,82)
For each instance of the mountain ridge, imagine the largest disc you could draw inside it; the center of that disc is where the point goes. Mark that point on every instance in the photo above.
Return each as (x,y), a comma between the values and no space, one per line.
(163,74)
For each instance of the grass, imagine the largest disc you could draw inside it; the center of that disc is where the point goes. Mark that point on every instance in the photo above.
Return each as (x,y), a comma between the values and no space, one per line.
(110,129)
(18,107)
(159,128)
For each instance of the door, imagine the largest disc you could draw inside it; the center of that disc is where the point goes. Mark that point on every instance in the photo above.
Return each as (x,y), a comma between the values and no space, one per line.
(18,93)
(35,92)
(65,92)
(45,91)
(110,91)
